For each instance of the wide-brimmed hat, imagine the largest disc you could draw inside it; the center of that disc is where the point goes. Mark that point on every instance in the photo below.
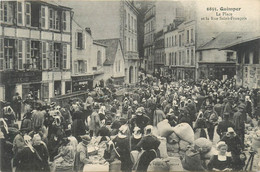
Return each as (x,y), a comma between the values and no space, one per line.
(122,132)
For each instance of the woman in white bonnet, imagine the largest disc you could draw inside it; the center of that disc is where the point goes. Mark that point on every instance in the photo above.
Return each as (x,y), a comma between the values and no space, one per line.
(222,161)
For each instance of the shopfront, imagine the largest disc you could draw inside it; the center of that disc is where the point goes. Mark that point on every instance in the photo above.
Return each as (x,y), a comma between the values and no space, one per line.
(82,83)
(26,81)
(217,70)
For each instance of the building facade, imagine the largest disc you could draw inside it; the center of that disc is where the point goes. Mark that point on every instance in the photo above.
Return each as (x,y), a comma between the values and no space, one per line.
(117,20)
(180,49)
(159,55)
(214,63)
(87,58)
(158,16)
(35,47)
(114,63)
(248,59)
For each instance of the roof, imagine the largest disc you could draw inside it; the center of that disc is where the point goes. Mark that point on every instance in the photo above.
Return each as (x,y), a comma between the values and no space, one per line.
(98,43)
(111,49)
(222,39)
(247,37)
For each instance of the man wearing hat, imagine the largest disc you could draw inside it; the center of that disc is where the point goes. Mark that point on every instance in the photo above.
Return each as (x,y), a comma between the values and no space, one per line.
(239,120)
(140,119)
(81,157)
(224,125)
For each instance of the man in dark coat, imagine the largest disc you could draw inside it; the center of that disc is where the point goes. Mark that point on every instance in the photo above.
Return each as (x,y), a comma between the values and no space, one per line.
(224,125)
(140,120)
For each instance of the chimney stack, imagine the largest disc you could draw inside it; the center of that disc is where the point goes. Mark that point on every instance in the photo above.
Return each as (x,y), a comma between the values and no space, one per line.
(88,30)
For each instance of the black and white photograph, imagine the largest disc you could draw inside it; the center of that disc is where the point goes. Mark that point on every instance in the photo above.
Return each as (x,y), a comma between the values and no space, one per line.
(129,85)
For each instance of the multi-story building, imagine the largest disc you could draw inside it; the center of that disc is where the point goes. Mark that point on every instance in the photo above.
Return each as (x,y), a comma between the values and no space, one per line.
(159,55)
(35,49)
(214,63)
(248,59)
(117,20)
(160,14)
(88,57)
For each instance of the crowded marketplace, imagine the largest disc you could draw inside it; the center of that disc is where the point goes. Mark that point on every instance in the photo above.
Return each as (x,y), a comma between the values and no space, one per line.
(129,85)
(171,126)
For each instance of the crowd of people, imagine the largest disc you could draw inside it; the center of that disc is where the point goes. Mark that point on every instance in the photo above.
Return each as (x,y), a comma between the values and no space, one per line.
(54,138)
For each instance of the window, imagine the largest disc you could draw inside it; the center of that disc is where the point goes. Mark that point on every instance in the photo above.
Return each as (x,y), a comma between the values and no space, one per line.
(50,55)
(172,41)
(167,42)
(57,21)
(80,66)
(79,40)
(175,59)
(1,11)
(135,45)
(51,19)
(183,58)
(188,36)
(35,51)
(192,57)
(28,13)
(170,59)
(20,54)
(43,17)
(9,53)
(188,56)
(64,58)
(179,40)
(44,55)
(125,43)
(180,63)
(28,54)
(132,23)
(125,16)
(175,39)
(99,59)
(191,35)
(182,37)
(57,55)
(201,57)
(132,45)
(5,11)
(19,13)
(1,54)
(64,21)
(129,22)
(129,44)
(135,25)
(229,56)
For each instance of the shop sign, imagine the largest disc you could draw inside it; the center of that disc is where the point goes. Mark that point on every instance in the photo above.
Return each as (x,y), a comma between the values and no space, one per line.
(81,78)
(14,77)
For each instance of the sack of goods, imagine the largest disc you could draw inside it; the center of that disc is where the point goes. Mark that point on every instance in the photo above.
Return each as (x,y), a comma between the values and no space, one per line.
(163,147)
(184,132)
(203,144)
(164,128)
(165,164)
(192,161)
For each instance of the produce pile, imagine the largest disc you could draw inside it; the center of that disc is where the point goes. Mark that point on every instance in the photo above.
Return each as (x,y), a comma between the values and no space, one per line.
(179,141)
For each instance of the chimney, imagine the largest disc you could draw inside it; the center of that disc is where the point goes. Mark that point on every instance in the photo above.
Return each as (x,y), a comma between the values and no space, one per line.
(88,30)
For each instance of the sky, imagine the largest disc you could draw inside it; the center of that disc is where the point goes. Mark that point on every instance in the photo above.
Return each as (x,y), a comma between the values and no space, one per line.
(250,9)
